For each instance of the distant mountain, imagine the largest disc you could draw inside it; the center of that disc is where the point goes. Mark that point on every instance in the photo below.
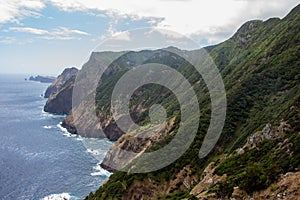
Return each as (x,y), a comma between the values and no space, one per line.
(42,79)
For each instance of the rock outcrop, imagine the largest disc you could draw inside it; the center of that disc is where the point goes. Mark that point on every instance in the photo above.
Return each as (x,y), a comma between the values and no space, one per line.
(42,79)
(60,81)
(60,93)
(60,102)
(117,157)
(269,132)
(208,180)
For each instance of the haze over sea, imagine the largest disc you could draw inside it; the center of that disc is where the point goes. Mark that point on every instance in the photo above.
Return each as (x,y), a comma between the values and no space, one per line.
(39,159)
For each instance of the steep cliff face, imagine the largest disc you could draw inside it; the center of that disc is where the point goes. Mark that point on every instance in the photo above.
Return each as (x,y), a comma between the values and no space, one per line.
(99,102)
(60,102)
(83,124)
(60,81)
(60,92)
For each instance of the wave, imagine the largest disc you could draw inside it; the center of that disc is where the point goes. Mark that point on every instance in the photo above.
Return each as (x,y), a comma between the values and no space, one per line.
(62,196)
(92,151)
(47,127)
(46,114)
(65,131)
(79,138)
(100,171)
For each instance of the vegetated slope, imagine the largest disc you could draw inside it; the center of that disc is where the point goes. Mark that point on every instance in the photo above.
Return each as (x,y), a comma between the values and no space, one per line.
(260,66)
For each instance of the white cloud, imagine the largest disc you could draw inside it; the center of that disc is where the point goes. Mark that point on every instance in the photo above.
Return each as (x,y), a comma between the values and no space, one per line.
(12,10)
(196,18)
(34,31)
(164,32)
(125,36)
(57,37)
(61,33)
(113,33)
(188,17)
(66,31)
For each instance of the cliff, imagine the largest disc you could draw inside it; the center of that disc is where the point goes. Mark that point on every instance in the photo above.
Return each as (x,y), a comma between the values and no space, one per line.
(60,81)
(60,92)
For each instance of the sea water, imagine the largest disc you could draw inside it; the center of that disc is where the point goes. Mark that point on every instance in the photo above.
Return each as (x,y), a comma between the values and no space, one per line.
(38,158)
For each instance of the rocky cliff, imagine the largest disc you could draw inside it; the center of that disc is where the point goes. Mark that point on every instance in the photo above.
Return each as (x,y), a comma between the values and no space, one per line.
(60,92)
(60,81)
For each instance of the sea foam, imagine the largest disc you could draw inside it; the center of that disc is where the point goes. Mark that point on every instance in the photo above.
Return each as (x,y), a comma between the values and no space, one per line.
(62,196)
(65,131)
(100,171)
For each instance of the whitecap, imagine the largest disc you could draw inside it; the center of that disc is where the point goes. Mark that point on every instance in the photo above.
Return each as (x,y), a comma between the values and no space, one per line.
(47,127)
(46,114)
(69,135)
(65,131)
(62,196)
(100,171)
(92,151)
(79,138)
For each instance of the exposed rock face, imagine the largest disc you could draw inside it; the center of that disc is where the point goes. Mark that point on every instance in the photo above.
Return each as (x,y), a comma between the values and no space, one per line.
(208,180)
(269,132)
(149,188)
(69,125)
(60,93)
(60,102)
(42,79)
(117,157)
(84,124)
(244,33)
(60,81)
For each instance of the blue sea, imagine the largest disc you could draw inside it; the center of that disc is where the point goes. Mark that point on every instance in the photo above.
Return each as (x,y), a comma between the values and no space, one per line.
(38,158)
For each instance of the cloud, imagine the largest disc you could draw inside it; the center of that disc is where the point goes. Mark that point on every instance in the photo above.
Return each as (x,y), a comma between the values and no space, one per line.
(57,37)
(188,17)
(125,36)
(113,33)
(164,32)
(34,31)
(12,10)
(61,33)
(213,34)
(194,18)
(66,31)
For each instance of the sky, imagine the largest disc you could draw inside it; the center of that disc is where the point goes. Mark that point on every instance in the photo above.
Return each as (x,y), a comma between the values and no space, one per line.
(46,36)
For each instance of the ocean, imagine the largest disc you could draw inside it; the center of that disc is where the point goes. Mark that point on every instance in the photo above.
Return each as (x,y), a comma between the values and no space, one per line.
(38,158)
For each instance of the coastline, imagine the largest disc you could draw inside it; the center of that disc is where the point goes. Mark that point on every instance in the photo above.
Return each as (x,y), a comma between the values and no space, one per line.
(97,170)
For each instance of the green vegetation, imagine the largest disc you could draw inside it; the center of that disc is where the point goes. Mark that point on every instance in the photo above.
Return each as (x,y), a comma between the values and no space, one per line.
(260,66)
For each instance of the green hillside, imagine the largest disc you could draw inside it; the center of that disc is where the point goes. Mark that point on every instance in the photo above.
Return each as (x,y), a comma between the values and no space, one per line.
(260,66)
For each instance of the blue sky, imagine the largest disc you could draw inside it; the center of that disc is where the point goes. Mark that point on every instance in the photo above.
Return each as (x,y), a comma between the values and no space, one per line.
(45,36)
